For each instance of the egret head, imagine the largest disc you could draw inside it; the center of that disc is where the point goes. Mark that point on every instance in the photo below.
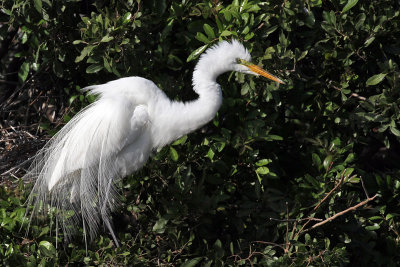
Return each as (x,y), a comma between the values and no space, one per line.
(224,57)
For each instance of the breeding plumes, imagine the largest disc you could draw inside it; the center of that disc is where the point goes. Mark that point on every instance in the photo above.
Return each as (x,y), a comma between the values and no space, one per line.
(77,169)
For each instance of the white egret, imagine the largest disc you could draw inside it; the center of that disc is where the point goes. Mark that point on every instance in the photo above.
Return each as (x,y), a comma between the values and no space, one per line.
(76,170)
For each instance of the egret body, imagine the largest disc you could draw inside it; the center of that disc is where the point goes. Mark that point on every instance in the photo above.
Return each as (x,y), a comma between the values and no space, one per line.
(114,136)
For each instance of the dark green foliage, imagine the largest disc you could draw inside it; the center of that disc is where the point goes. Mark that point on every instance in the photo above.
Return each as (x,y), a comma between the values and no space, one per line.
(242,190)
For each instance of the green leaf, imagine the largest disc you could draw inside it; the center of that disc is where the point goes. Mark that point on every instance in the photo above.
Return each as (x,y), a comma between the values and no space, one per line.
(180,141)
(369,41)
(106,39)
(85,51)
(23,72)
(316,160)
(6,11)
(47,249)
(126,253)
(262,170)
(349,5)
(173,153)
(310,20)
(330,17)
(225,33)
(245,89)
(360,21)
(209,31)
(327,162)
(196,53)
(202,38)
(227,15)
(72,99)
(374,80)
(45,230)
(106,65)
(126,17)
(167,29)
(77,42)
(159,226)
(263,162)
(192,262)
(273,137)
(38,5)
(270,30)
(94,68)
(249,36)
(210,154)
(395,131)
(372,227)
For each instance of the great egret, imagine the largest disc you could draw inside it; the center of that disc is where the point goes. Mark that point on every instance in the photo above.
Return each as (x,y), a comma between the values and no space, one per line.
(76,170)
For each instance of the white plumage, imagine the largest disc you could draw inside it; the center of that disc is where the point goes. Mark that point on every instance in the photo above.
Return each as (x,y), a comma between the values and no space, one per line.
(113,137)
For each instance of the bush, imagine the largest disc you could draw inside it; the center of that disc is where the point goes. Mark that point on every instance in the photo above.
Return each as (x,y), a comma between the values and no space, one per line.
(301,174)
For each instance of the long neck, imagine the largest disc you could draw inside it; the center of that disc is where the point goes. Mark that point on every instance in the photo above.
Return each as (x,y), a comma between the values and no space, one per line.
(176,119)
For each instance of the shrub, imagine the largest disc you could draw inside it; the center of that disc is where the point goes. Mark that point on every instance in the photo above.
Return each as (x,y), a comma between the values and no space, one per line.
(301,174)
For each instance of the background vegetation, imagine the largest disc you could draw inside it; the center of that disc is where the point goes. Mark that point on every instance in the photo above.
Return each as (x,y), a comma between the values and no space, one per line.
(301,174)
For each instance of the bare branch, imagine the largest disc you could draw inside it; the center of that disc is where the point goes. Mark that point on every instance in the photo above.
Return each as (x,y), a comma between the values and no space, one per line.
(295,220)
(287,229)
(330,192)
(363,186)
(342,213)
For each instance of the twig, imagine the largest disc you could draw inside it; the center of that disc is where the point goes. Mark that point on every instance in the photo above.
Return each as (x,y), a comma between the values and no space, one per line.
(363,186)
(293,230)
(295,220)
(342,213)
(287,229)
(29,134)
(358,96)
(15,167)
(330,192)
(37,97)
(322,201)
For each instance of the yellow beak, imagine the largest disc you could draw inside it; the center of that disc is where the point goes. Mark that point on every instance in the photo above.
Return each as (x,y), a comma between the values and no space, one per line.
(256,69)
(266,74)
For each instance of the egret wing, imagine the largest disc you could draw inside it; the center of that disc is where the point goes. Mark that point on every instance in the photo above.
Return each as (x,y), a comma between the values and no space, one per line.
(77,168)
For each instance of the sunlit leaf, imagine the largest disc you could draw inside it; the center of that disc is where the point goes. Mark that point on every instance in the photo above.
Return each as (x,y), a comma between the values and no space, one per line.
(374,80)
(173,153)
(94,68)
(196,53)
(349,5)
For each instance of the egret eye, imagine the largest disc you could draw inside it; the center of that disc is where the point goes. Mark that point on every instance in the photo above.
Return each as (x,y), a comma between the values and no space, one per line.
(243,62)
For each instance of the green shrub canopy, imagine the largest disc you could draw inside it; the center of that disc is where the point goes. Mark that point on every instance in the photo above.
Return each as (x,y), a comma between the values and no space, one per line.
(305,173)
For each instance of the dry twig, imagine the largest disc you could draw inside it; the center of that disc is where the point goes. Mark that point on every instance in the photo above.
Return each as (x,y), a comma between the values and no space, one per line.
(342,213)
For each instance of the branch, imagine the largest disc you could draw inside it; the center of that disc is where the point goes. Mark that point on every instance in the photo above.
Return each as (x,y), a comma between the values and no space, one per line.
(287,230)
(339,183)
(330,192)
(342,213)
(363,186)
(295,220)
